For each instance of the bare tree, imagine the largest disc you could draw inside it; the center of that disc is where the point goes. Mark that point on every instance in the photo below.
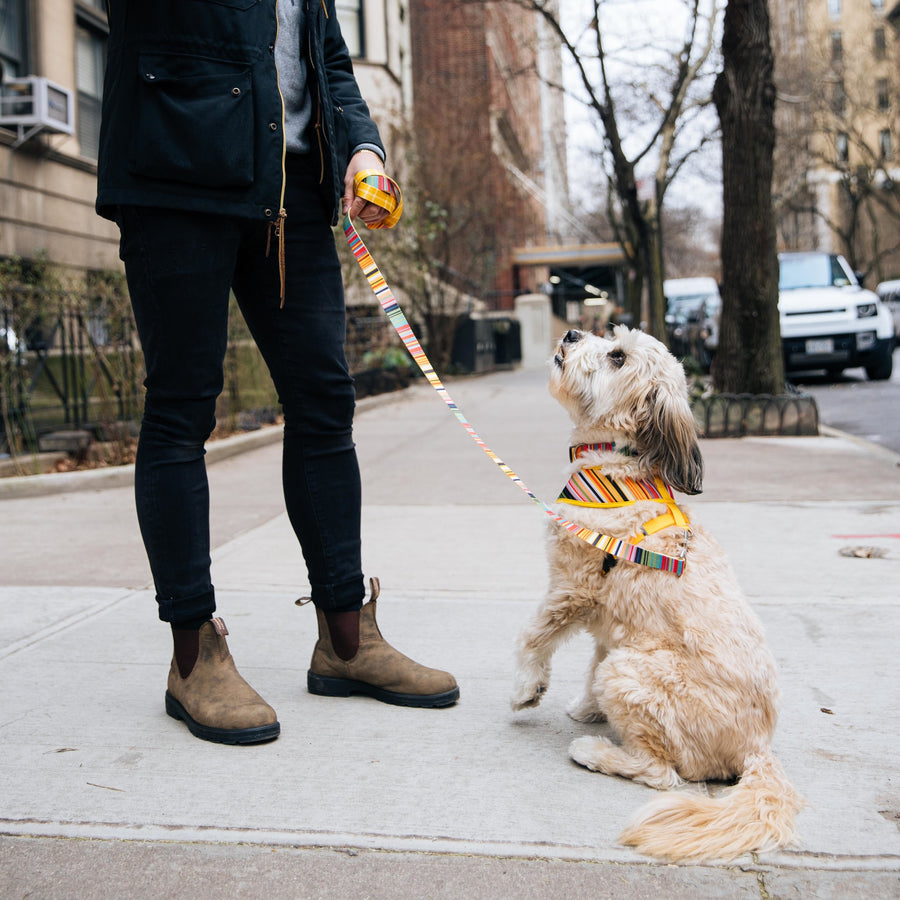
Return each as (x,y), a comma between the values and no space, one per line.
(692,241)
(748,358)
(660,144)
(442,259)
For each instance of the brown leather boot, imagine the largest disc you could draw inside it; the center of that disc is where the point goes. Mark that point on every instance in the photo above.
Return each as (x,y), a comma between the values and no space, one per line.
(377,669)
(214,701)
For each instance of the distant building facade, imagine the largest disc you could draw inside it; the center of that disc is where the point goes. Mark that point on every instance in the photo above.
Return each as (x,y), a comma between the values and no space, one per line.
(837,174)
(53,55)
(490,136)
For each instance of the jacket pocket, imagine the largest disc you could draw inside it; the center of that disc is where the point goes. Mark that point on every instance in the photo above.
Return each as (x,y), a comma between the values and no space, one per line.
(194,121)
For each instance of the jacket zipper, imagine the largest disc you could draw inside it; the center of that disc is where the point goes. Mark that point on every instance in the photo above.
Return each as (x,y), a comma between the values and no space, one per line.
(278,224)
(318,122)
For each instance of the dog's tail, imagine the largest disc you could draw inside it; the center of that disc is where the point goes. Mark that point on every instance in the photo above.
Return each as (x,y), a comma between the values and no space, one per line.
(756,814)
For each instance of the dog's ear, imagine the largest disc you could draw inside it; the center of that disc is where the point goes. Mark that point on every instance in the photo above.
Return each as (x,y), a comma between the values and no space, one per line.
(667,440)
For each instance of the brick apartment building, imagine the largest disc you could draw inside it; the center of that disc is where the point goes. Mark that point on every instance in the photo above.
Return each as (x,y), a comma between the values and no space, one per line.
(490,136)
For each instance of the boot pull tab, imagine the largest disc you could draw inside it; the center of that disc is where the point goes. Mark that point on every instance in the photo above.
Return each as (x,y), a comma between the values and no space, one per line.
(219,625)
(374,592)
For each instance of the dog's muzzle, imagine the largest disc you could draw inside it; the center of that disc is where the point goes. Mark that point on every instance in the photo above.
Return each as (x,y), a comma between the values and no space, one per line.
(573,336)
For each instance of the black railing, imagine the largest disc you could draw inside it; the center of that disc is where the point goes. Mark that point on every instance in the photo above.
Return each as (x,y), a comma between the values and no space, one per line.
(67,359)
(737,415)
(71,360)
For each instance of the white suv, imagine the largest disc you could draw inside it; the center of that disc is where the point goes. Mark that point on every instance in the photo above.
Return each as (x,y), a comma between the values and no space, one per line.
(828,321)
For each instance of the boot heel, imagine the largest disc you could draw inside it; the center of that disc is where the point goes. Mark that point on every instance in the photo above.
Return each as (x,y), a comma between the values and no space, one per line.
(173,707)
(328,687)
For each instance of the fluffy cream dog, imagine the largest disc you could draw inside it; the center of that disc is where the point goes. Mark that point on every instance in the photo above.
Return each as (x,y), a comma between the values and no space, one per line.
(681,670)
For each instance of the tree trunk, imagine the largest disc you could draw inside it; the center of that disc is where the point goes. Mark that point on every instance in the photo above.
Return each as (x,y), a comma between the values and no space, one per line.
(656,301)
(748,359)
(634,294)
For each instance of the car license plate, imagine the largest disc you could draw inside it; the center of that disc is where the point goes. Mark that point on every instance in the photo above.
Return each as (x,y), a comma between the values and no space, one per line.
(819,346)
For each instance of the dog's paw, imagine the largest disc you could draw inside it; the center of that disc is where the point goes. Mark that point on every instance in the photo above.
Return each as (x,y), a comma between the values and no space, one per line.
(527,696)
(584,751)
(584,709)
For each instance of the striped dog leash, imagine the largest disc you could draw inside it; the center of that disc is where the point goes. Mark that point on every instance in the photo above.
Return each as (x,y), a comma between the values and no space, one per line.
(377,188)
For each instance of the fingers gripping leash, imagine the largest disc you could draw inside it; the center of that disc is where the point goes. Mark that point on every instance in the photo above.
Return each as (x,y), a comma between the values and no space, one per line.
(378,188)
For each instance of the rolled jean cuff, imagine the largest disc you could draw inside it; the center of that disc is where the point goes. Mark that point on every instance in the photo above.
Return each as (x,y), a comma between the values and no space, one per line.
(176,610)
(345,597)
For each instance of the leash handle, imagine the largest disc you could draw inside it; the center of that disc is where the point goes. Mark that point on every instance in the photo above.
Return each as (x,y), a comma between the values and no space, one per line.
(377,188)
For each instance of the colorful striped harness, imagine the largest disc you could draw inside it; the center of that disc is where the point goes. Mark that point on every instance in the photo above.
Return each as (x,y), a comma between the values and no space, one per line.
(379,189)
(589,487)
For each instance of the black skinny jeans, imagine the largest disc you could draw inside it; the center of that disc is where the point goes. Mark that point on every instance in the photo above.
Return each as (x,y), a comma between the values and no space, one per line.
(180,268)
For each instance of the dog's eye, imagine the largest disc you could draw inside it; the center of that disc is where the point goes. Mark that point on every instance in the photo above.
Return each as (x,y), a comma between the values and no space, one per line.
(617,358)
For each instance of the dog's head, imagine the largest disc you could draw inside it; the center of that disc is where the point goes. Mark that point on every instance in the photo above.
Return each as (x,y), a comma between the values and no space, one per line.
(628,388)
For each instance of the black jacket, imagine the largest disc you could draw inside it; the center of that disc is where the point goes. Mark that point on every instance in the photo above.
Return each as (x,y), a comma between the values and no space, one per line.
(192,113)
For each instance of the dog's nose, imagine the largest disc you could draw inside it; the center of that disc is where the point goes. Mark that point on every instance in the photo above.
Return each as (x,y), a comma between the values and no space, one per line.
(572,337)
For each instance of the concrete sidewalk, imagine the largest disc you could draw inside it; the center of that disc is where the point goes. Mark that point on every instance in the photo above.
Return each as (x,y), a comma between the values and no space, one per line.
(102,795)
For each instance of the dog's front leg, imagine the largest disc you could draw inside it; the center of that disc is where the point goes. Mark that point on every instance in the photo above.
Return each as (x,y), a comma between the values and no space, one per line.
(536,646)
(585,708)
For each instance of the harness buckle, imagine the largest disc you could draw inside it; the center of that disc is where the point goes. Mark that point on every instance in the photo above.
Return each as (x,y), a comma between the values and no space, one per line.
(683,548)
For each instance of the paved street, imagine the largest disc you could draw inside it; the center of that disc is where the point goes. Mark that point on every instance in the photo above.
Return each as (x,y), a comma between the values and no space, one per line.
(851,403)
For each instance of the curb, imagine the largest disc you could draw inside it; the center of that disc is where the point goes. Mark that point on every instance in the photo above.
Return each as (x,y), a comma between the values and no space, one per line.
(870,446)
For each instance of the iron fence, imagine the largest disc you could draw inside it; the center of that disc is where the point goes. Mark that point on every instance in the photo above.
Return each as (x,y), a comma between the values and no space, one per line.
(72,360)
(737,415)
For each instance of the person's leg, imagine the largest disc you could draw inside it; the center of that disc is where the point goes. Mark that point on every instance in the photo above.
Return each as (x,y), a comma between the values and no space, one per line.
(303,344)
(179,267)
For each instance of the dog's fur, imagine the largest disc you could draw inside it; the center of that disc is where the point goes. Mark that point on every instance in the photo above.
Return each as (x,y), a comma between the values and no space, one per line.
(680,670)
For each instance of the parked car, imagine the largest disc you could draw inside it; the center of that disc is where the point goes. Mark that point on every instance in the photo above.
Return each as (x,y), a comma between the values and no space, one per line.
(889,294)
(693,306)
(828,321)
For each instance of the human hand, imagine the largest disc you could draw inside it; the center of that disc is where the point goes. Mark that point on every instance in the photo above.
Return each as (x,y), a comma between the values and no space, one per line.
(370,213)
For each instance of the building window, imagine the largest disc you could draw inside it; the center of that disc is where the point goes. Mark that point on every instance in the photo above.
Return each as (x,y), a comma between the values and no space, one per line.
(13,37)
(880,44)
(884,144)
(837,47)
(882,94)
(90,65)
(838,98)
(834,9)
(843,146)
(350,15)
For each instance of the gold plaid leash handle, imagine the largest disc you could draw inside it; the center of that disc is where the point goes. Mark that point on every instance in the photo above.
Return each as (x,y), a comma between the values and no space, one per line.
(378,188)
(375,187)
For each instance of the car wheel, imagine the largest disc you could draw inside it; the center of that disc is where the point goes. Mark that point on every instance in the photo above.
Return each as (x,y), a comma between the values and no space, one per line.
(883,367)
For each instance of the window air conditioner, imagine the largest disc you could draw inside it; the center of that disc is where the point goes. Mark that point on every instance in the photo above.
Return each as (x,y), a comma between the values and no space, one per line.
(34,104)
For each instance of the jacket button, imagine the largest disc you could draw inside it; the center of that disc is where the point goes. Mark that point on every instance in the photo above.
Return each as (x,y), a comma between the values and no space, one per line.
(268,213)
(273,126)
(236,91)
